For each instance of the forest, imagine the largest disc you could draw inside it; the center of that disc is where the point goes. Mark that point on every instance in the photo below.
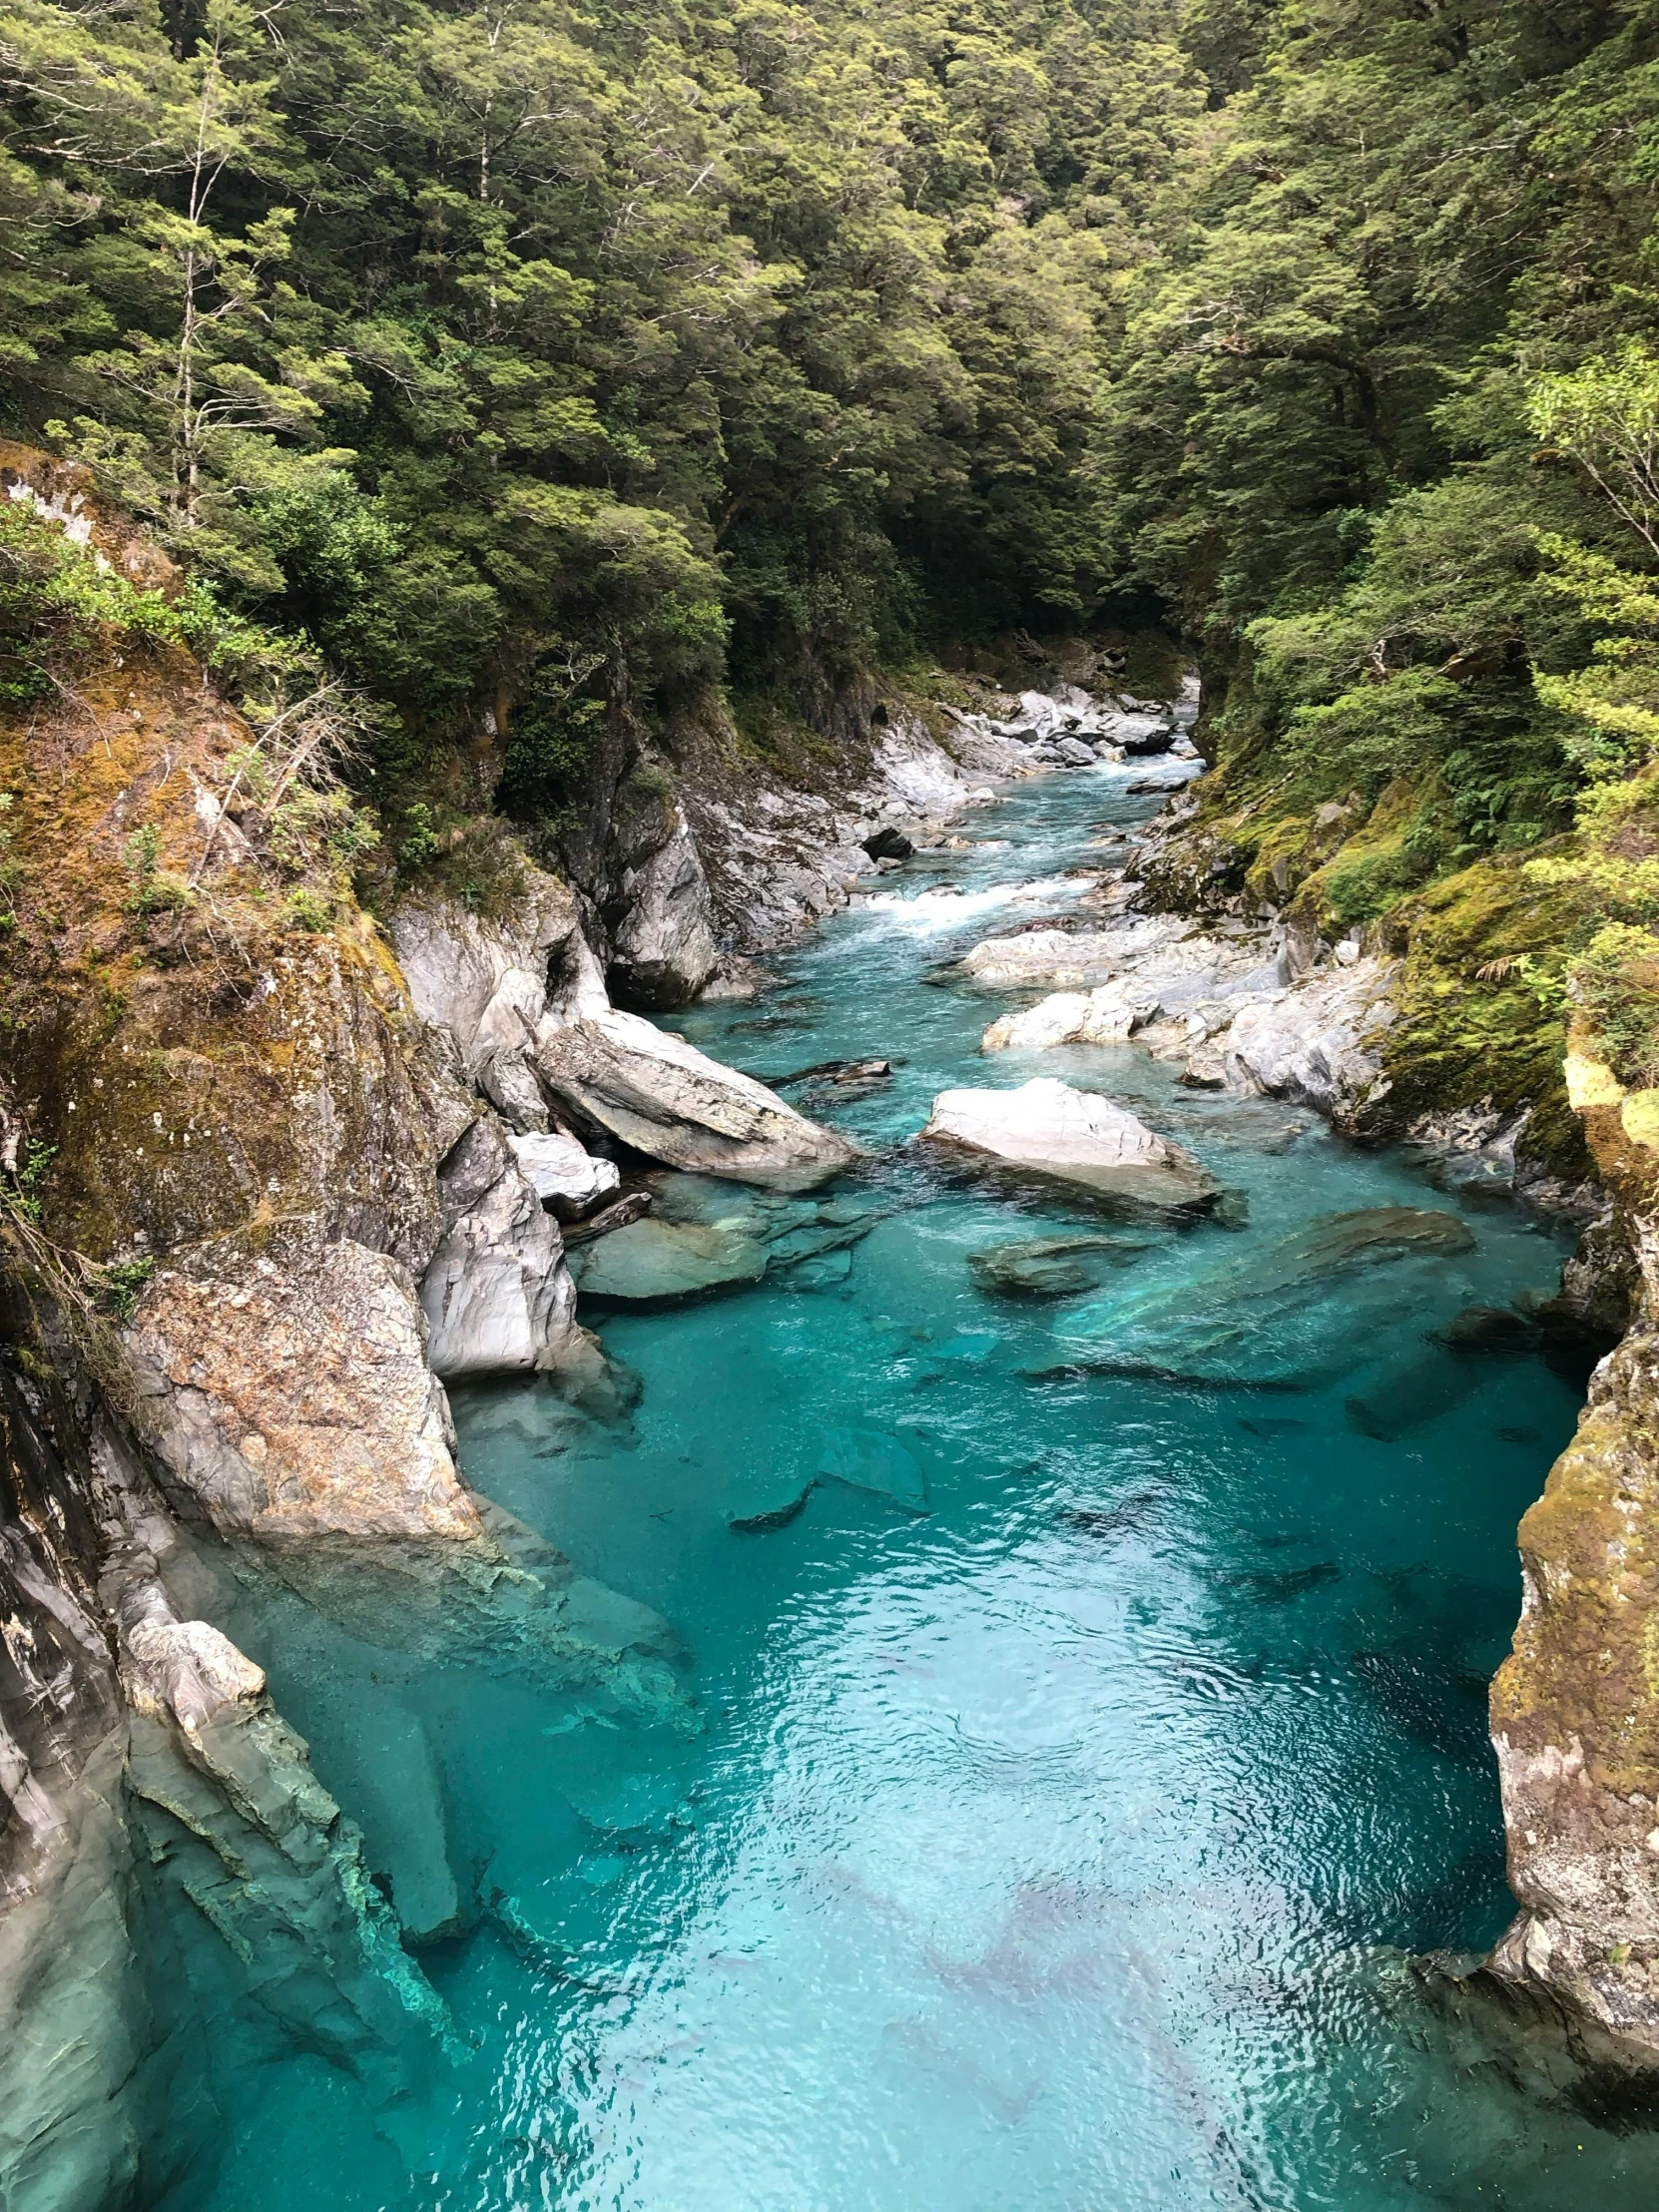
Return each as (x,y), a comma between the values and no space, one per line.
(495,364)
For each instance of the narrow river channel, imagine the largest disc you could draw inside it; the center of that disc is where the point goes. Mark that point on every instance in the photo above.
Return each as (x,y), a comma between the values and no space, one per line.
(1067,1762)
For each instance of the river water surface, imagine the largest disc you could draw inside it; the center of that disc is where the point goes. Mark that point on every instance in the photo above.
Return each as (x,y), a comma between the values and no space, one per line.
(1067,1762)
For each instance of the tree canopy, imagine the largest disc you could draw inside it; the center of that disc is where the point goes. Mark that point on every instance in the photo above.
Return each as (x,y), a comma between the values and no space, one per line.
(519,351)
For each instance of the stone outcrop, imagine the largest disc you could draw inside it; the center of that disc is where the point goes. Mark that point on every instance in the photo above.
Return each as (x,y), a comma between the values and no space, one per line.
(664,950)
(250,1158)
(491,981)
(527,1009)
(1317,1043)
(1047,1129)
(496,1293)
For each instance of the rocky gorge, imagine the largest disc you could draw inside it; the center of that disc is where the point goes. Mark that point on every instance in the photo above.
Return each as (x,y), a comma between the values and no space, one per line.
(283,1172)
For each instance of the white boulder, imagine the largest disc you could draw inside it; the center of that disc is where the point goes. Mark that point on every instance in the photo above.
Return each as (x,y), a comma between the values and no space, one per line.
(557,1168)
(1107,1016)
(1047,1128)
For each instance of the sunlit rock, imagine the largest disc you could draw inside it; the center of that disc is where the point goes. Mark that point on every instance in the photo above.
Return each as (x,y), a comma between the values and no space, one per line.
(1109,1016)
(1046,1128)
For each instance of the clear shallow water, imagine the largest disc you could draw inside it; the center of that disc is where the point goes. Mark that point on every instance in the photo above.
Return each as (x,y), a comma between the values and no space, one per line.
(1065,1777)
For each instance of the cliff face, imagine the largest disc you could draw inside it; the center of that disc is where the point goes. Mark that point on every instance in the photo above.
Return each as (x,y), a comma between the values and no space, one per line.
(1575,1708)
(235,1158)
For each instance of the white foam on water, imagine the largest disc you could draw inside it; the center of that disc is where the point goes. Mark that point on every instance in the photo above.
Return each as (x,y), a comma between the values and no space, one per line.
(940,907)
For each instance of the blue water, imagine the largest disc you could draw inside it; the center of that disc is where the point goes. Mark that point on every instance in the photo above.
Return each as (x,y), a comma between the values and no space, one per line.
(1069,1762)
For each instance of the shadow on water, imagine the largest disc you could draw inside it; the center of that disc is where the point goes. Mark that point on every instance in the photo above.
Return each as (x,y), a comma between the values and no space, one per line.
(1065,1768)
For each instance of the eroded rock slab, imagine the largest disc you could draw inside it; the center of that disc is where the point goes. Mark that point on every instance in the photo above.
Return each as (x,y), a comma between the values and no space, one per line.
(659,1094)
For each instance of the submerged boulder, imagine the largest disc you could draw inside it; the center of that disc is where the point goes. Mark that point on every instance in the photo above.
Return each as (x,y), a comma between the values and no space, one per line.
(659,1094)
(1046,1128)
(1053,1267)
(652,1261)
(704,1236)
(1269,1320)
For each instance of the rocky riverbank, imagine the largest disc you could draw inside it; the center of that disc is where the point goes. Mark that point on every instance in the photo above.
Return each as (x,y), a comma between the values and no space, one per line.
(276,1173)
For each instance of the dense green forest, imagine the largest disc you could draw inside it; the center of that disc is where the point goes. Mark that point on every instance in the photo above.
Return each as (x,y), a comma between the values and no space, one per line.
(523,356)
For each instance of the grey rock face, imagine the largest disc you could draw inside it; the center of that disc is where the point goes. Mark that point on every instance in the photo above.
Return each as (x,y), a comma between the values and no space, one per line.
(664,950)
(1309,1043)
(489,983)
(287,1393)
(564,1173)
(497,1296)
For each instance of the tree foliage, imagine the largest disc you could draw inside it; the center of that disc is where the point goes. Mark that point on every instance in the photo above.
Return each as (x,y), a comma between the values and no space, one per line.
(524,357)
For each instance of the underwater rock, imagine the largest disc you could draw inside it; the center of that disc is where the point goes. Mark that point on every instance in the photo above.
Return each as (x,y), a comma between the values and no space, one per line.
(857,1458)
(1429,1699)
(1053,1267)
(1489,1328)
(1277,1586)
(1106,1523)
(665,1099)
(1410,1393)
(1046,1128)
(564,1173)
(705,1236)
(870,1460)
(654,1262)
(1258,1321)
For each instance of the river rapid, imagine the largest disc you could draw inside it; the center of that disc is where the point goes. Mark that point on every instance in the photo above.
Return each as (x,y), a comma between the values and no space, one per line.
(1057,1768)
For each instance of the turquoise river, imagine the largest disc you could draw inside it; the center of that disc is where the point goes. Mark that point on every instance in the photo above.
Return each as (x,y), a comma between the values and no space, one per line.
(1057,1770)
